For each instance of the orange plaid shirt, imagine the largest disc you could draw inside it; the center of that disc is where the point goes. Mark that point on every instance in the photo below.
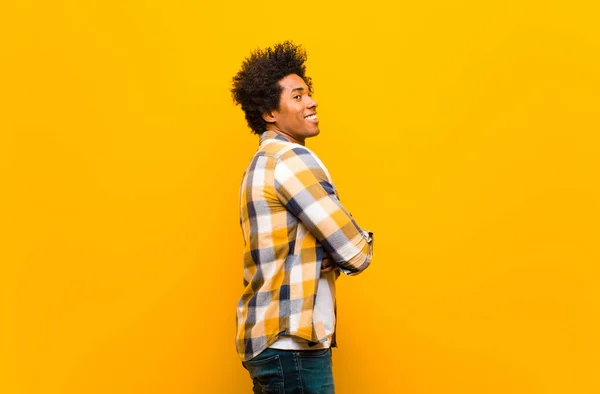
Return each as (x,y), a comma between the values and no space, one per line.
(290,214)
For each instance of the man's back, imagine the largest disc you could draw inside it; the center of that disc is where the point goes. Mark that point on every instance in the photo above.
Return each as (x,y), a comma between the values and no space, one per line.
(289,213)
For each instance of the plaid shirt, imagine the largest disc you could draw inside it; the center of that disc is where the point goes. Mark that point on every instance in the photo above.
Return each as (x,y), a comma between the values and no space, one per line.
(290,213)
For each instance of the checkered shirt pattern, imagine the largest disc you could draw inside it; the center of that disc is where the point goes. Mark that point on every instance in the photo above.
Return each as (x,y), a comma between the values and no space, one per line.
(290,213)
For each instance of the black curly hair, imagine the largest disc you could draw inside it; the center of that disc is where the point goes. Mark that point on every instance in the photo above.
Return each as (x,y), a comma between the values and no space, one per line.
(256,86)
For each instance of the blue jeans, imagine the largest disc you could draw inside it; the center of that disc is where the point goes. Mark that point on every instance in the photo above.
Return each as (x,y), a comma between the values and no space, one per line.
(291,371)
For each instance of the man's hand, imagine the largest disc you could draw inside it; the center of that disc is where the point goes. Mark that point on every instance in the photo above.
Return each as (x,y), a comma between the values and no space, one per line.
(328,265)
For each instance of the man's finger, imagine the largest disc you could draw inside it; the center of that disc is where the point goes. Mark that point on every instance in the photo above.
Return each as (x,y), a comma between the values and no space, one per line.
(327,269)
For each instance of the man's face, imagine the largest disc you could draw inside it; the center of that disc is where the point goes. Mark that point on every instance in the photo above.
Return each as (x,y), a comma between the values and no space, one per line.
(297,114)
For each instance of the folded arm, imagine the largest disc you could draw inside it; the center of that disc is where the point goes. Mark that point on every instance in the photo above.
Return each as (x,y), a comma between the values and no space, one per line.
(303,186)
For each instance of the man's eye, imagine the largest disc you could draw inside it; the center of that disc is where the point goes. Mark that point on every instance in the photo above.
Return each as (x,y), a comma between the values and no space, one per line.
(297,97)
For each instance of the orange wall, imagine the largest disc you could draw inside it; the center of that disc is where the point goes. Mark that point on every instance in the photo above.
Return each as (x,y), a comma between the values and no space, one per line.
(464,133)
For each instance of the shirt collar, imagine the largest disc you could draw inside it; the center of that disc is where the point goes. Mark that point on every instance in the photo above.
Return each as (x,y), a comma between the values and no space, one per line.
(272,135)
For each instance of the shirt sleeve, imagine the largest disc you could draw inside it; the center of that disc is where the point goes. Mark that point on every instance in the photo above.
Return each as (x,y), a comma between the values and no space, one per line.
(303,186)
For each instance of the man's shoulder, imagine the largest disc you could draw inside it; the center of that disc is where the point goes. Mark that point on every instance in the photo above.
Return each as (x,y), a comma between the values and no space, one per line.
(280,149)
(298,160)
(286,154)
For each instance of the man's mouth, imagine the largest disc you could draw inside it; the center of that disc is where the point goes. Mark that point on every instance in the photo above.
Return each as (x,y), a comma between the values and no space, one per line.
(311,117)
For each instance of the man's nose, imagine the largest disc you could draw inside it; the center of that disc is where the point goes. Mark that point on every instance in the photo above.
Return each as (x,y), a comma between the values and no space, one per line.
(311,103)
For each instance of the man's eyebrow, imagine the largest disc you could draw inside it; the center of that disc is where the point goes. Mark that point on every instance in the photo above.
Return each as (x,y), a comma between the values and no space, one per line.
(293,90)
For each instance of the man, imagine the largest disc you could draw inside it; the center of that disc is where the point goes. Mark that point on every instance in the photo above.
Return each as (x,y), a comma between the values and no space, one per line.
(298,237)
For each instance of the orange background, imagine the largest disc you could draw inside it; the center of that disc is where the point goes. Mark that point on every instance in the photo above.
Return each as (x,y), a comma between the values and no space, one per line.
(464,133)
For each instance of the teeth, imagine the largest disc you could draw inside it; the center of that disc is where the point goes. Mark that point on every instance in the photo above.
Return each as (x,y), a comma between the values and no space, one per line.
(311,117)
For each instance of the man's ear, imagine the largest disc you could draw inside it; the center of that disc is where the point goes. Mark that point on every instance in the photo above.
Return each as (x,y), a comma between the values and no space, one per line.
(268,117)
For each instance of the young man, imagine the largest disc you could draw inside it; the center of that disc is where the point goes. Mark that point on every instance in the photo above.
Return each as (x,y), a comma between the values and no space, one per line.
(298,237)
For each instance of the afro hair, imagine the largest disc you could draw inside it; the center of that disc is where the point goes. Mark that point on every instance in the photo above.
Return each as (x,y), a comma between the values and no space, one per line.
(256,86)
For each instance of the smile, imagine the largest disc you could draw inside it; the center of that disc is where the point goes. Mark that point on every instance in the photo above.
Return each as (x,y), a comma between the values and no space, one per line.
(311,117)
